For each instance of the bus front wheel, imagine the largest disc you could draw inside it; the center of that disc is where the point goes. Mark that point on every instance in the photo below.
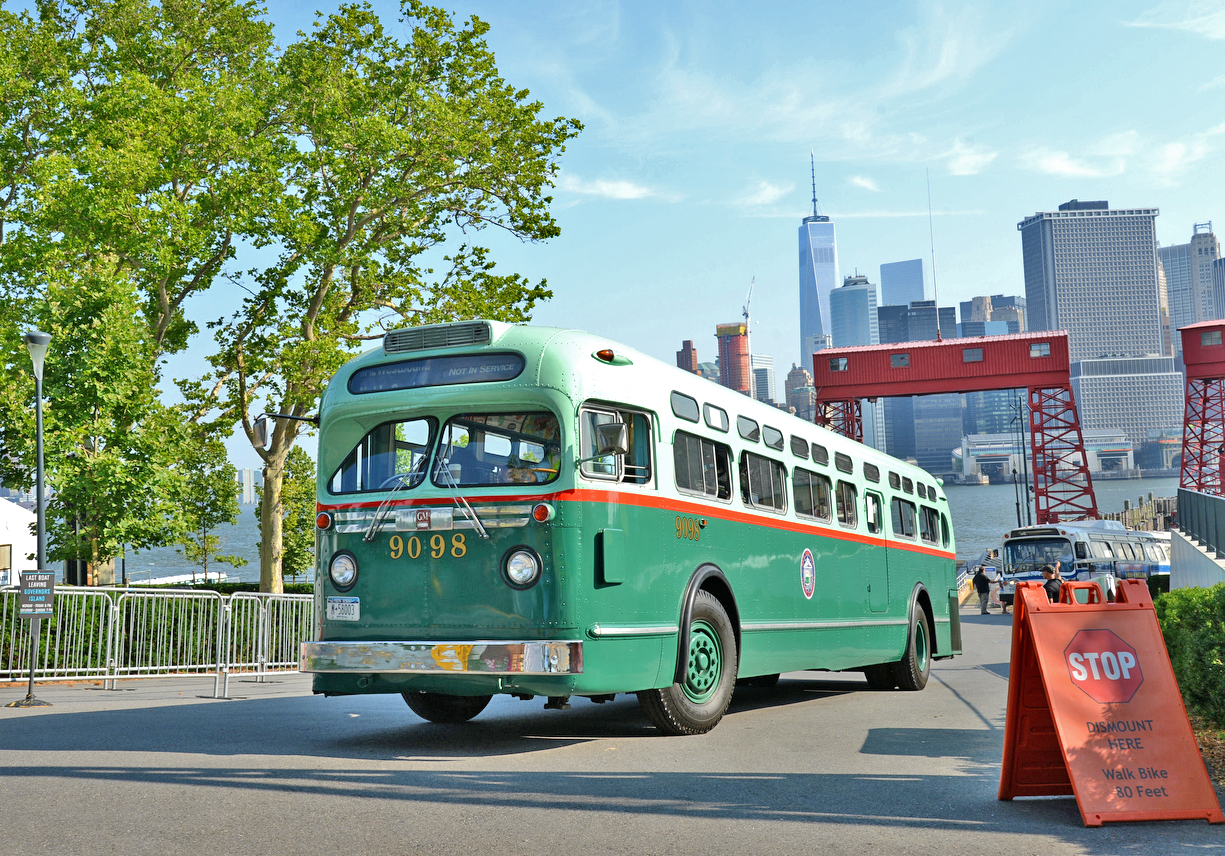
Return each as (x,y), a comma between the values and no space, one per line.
(913,669)
(696,705)
(437,707)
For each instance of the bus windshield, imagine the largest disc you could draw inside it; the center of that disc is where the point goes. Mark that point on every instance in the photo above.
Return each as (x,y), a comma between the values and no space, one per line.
(391,455)
(1031,554)
(477,449)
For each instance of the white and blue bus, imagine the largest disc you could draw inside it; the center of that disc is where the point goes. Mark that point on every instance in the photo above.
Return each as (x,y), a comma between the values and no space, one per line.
(1102,550)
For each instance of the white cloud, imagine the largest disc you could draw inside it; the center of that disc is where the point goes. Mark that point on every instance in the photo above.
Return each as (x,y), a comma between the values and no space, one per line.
(968,160)
(891,215)
(609,188)
(864,182)
(1171,159)
(765,193)
(1202,17)
(1215,83)
(945,48)
(1061,163)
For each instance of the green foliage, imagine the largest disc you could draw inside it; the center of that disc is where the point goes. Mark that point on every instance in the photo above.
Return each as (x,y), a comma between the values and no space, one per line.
(209,499)
(1193,624)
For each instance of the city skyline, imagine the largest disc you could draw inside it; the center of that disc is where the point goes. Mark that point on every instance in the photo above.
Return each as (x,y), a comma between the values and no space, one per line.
(692,173)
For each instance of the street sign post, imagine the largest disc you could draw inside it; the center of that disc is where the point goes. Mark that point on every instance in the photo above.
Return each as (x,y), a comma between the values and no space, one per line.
(37,602)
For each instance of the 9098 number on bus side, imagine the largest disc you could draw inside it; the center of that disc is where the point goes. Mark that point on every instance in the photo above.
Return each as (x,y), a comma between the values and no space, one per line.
(687,527)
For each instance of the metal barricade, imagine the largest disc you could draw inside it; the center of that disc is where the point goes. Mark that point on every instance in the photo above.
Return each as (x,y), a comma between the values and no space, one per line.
(72,641)
(113,633)
(264,631)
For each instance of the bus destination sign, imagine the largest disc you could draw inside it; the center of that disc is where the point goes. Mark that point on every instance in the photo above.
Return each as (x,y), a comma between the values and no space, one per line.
(436,371)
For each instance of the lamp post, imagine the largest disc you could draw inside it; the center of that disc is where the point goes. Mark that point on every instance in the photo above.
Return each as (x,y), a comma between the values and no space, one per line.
(36,343)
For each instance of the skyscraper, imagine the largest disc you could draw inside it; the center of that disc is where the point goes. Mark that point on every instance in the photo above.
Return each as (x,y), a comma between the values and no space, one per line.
(734,357)
(901,282)
(687,357)
(801,394)
(818,276)
(853,321)
(1188,278)
(852,313)
(1094,271)
(762,366)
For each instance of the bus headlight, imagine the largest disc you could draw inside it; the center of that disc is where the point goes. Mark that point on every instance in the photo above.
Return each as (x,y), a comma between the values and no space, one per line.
(521,567)
(343,570)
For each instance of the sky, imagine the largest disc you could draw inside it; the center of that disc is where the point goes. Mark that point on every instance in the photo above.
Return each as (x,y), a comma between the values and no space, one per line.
(692,174)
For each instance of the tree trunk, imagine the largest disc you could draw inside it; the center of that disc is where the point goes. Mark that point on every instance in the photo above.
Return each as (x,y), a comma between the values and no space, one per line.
(271,516)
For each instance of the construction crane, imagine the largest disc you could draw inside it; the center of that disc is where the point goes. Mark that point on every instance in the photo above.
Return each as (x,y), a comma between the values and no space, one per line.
(747,301)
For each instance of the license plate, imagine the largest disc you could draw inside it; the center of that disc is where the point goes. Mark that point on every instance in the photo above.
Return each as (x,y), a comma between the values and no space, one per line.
(344,609)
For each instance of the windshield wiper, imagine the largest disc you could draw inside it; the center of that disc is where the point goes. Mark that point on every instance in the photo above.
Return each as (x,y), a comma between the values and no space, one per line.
(401,479)
(460,503)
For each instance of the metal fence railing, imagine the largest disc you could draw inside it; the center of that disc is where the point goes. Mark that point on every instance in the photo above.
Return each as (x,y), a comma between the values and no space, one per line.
(1201,517)
(114,633)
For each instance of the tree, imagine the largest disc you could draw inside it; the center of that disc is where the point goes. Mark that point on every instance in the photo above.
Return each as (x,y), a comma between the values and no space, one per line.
(209,499)
(133,136)
(298,519)
(398,146)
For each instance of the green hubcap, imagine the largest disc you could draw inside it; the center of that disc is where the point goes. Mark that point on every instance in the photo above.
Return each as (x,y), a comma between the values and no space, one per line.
(705,662)
(920,645)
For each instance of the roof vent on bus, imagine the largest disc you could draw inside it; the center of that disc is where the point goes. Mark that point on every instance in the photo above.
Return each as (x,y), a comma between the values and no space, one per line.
(438,336)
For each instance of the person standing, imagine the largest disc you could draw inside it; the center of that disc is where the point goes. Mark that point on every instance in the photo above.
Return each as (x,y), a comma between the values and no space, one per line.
(982,585)
(1052,582)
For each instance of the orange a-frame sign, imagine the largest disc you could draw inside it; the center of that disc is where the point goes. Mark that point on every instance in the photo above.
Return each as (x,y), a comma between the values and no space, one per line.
(1094,710)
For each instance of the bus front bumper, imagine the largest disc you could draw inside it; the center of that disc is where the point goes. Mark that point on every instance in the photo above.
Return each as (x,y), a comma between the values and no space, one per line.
(442,658)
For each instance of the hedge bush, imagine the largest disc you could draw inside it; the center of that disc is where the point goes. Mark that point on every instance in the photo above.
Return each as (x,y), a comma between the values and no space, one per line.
(1193,624)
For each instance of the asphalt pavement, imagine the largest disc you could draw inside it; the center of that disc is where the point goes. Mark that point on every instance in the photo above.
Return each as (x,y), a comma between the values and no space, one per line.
(819,764)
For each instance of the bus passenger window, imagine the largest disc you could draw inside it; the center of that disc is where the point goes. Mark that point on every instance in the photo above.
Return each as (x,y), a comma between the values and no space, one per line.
(944,531)
(871,512)
(702,466)
(635,466)
(846,503)
(811,494)
(903,518)
(761,482)
(927,524)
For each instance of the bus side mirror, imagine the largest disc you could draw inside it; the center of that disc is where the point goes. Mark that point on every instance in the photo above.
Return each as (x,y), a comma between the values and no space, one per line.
(612,438)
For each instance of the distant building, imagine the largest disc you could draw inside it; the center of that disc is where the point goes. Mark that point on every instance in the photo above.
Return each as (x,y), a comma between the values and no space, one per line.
(1188,279)
(818,276)
(247,481)
(1218,282)
(18,547)
(687,357)
(734,357)
(976,309)
(1134,394)
(801,394)
(853,320)
(911,430)
(1092,270)
(901,282)
(710,371)
(762,366)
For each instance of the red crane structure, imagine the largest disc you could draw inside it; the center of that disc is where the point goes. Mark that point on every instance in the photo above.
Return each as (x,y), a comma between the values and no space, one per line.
(1063,488)
(1203,425)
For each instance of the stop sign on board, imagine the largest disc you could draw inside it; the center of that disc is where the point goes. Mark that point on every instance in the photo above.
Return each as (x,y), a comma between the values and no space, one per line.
(1104,666)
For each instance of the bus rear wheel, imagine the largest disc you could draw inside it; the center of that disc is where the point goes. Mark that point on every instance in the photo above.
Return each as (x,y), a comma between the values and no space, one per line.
(696,705)
(915,666)
(437,707)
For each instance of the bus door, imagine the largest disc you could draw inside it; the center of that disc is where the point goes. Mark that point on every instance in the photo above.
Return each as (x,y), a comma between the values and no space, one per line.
(876,565)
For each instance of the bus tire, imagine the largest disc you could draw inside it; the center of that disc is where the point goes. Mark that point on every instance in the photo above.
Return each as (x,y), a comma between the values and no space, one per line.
(448,709)
(880,676)
(696,705)
(911,672)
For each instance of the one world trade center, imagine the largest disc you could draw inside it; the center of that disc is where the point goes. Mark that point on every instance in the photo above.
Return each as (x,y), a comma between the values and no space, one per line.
(818,277)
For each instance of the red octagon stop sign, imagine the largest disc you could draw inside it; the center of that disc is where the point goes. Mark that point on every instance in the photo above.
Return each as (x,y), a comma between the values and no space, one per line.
(1104,666)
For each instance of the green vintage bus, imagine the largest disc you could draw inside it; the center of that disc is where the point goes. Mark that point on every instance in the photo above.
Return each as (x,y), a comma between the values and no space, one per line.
(544,512)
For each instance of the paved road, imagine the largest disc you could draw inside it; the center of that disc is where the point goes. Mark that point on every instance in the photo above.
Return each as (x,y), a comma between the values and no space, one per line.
(819,764)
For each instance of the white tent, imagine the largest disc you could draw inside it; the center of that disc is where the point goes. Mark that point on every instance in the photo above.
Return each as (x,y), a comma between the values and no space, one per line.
(17,540)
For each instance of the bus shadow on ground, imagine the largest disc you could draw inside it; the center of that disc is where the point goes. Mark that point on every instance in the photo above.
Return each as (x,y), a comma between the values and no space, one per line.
(963,804)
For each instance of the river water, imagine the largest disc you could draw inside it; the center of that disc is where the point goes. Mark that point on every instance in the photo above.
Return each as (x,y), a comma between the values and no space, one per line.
(981,514)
